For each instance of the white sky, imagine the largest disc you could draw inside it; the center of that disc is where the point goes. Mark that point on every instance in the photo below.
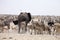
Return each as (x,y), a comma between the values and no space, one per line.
(35,7)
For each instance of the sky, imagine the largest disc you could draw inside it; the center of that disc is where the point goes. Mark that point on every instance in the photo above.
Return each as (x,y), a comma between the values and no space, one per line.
(35,7)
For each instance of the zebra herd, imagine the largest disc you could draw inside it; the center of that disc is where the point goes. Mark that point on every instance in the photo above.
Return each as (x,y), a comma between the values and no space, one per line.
(27,24)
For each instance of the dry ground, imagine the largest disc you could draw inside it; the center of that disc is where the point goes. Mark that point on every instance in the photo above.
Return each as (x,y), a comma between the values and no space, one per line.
(15,36)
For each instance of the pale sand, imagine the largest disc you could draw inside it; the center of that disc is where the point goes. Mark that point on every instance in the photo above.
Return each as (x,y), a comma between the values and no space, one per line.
(12,36)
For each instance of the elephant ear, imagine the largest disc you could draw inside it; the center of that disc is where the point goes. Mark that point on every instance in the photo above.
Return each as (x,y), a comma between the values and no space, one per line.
(15,22)
(50,23)
(29,15)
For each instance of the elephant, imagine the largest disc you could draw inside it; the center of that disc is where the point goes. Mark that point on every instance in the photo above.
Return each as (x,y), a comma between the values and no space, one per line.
(51,27)
(23,17)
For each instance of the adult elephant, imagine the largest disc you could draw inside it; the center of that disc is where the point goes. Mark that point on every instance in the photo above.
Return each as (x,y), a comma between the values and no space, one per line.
(23,17)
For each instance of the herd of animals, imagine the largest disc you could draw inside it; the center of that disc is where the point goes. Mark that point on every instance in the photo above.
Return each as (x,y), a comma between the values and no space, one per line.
(25,22)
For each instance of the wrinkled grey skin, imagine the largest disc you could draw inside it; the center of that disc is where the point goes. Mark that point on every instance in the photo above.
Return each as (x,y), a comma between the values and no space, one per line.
(23,16)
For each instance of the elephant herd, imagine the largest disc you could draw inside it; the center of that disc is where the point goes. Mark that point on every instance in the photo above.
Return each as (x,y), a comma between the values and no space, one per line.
(38,26)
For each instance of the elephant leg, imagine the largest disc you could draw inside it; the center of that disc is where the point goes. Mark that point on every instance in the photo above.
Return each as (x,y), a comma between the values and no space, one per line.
(2,29)
(18,31)
(49,31)
(26,27)
(8,26)
(19,28)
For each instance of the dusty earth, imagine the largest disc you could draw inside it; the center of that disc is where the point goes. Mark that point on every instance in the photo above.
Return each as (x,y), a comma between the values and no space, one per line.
(16,36)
